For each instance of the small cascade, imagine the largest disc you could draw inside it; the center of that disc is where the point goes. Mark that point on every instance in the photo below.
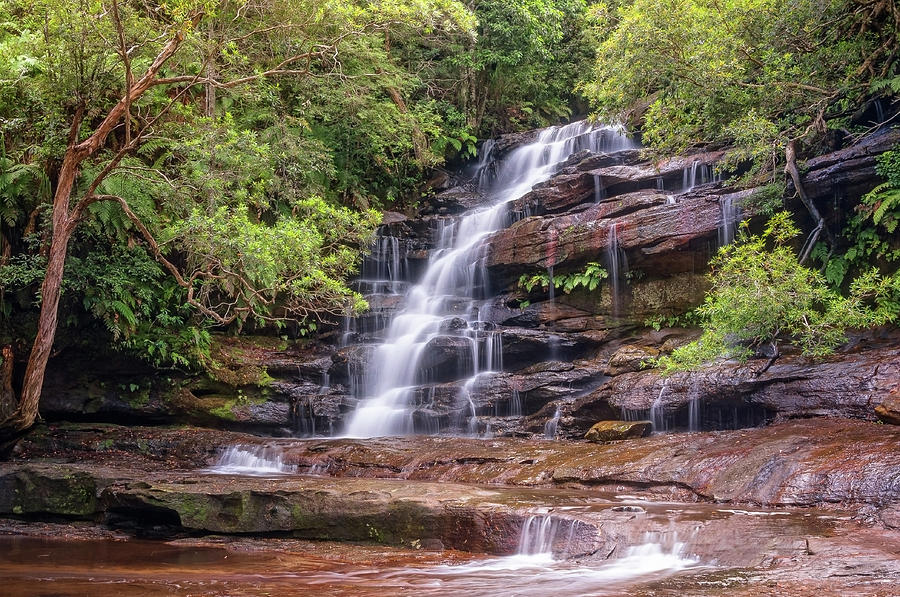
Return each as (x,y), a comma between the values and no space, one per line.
(486,168)
(252,460)
(879,112)
(697,174)
(515,405)
(551,426)
(383,270)
(472,417)
(455,282)
(694,414)
(658,411)
(599,189)
(551,286)
(538,535)
(660,184)
(730,216)
(617,268)
(553,344)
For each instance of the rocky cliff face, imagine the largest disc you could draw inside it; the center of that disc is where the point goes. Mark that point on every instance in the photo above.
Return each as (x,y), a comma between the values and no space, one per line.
(567,360)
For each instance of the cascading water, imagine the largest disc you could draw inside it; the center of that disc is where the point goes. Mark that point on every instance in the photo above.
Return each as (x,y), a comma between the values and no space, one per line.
(538,536)
(599,189)
(551,426)
(617,268)
(729,219)
(455,281)
(252,460)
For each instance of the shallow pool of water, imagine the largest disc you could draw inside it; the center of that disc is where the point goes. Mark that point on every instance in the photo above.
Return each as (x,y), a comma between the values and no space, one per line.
(106,568)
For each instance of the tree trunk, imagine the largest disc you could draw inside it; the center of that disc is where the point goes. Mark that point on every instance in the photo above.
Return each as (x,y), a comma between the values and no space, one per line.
(26,412)
(790,168)
(7,395)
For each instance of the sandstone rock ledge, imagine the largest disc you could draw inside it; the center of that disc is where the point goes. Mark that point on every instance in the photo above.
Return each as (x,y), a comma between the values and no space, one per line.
(797,463)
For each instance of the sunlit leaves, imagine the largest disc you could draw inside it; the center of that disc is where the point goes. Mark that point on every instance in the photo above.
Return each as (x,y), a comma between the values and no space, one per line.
(761,295)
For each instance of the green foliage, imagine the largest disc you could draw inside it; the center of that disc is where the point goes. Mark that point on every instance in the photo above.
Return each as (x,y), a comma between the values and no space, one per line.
(872,230)
(752,73)
(688,319)
(299,262)
(762,295)
(258,189)
(767,201)
(523,67)
(589,278)
(140,307)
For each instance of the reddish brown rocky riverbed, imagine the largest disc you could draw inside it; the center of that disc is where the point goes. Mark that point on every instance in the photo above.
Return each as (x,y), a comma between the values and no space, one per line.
(806,507)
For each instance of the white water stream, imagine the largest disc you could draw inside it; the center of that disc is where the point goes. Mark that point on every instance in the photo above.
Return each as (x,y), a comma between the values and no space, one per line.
(456,279)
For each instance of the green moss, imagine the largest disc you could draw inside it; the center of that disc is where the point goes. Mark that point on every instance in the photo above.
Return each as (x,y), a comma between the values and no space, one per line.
(225,411)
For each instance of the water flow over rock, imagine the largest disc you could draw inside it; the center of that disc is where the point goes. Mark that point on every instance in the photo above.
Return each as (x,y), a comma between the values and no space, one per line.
(455,285)
(252,460)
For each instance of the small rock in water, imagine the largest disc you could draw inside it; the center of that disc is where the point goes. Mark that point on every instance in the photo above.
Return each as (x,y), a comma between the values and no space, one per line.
(609,431)
(454,323)
(627,509)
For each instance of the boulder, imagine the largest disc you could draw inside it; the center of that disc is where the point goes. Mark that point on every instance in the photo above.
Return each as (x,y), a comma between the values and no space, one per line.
(610,431)
(889,409)
(629,359)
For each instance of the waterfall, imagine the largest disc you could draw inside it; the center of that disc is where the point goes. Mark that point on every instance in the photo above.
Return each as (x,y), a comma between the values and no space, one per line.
(694,414)
(551,426)
(515,405)
(617,267)
(252,460)
(538,533)
(730,215)
(455,279)
(689,178)
(599,189)
(658,411)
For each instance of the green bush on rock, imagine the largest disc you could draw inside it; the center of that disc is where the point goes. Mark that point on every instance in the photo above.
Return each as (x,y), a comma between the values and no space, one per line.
(762,295)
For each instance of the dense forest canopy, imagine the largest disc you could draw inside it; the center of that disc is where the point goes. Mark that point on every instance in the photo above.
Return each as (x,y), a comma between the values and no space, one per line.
(170,167)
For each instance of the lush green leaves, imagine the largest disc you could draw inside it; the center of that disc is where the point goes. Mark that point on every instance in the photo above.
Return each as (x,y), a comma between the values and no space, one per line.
(752,73)
(589,278)
(761,295)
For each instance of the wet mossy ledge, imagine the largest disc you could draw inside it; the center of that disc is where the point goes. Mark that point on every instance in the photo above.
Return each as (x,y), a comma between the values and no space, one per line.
(806,462)
(457,493)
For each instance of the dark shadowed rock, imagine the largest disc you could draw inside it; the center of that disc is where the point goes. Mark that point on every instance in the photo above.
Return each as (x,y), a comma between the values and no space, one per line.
(446,358)
(455,200)
(527,346)
(849,171)
(846,384)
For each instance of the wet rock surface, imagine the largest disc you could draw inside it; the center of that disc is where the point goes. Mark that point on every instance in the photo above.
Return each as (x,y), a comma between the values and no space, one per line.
(799,463)
(847,384)
(610,431)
